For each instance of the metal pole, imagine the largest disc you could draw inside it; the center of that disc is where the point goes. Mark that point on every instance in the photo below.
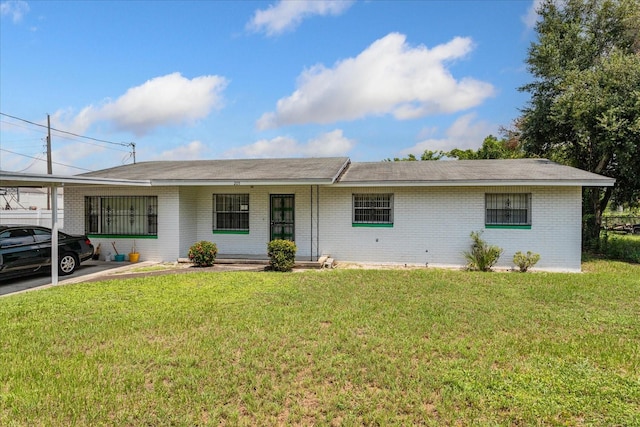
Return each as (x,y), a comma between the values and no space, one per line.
(49,163)
(133,149)
(317,222)
(54,234)
(311,224)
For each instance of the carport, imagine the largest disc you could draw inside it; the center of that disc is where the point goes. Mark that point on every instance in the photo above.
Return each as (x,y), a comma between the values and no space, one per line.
(16,179)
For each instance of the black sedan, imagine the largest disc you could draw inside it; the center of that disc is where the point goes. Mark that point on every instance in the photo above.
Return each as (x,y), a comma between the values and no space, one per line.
(26,249)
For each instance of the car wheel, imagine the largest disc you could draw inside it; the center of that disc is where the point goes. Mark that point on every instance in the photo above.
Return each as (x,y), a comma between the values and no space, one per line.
(67,264)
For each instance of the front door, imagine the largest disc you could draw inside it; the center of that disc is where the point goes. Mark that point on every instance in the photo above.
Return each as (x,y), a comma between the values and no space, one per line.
(283,217)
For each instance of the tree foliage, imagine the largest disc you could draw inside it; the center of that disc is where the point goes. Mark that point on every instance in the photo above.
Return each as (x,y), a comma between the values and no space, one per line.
(584,109)
(492,148)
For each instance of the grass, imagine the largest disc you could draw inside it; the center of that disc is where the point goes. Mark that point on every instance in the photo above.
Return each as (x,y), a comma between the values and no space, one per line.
(150,268)
(341,347)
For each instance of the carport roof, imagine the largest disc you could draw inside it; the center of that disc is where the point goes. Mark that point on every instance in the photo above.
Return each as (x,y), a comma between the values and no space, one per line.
(17,179)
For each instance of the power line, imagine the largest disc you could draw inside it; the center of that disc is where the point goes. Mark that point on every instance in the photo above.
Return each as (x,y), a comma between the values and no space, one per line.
(122,144)
(56,163)
(18,125)
(91,143)
(68,138)
(35,159)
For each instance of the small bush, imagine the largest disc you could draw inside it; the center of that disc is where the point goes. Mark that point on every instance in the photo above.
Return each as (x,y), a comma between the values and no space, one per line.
(525,261)
(282,254)
(482,255)
(203,253)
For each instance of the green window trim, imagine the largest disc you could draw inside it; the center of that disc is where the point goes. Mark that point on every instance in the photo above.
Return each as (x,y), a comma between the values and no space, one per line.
(512,227)
(121,236)
(373,224)
(230,232)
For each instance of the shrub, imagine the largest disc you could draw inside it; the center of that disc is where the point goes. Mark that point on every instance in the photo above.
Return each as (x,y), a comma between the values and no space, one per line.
(282,254)
(482,255)
(525,261)
(203,253)
(620,247)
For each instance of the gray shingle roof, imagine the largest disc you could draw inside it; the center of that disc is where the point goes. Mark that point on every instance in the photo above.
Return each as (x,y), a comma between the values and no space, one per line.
(468,172)
(339,170)
(324,169)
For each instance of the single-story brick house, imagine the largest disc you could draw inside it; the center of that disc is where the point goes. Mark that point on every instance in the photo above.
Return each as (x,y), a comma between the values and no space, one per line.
(413,213)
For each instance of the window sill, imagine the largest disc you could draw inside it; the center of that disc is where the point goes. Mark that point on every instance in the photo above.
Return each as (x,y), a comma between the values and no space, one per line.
(510,227)
(375,225)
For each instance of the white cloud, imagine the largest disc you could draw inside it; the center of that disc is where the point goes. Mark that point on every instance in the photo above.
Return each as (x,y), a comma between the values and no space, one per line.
(531,17)
(287,15)
(464,133)
(389,77)
(166,100)
(333,143)
(195,150)
(14,8)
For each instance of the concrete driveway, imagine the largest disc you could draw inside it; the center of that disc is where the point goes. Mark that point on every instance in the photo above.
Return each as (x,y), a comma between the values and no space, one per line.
(87,271)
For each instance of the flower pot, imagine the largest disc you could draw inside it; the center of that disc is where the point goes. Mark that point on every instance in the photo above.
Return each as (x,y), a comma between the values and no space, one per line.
(118,257)
(134,257)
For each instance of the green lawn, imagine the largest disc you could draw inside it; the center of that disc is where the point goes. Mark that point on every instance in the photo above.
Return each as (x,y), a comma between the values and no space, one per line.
(342,347)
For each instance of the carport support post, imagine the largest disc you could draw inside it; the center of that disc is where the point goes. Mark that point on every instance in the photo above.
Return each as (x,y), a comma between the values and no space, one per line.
(54,234)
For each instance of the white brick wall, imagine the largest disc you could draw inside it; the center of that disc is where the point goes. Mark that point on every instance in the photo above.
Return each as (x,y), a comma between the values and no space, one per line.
(431,225)
(164,248)
(254,243)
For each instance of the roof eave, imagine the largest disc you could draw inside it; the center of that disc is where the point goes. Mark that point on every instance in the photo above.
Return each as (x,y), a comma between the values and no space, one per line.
(236,183)
(41,180)
(480,183)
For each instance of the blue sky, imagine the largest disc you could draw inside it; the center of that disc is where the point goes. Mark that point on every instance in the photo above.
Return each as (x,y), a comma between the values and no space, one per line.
(250,79)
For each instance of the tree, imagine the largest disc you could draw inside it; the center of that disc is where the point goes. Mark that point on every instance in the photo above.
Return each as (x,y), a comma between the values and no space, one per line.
(492,148)
(584,109)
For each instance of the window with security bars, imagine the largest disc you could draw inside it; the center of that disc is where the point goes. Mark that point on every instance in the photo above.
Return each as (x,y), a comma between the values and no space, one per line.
(121,215)
(373,208)
(508,209)
(231,212)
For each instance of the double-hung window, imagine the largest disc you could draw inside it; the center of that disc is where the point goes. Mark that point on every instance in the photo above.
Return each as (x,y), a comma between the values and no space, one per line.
(508,210)
(372,210)
(231,213)
(121,215)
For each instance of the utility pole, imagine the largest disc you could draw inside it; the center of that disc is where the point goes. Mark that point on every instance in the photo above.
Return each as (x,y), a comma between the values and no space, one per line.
(133,149)
(49,167)
(49,163)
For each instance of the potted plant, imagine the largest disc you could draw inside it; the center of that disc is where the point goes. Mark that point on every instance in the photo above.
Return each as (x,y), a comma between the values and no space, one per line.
(134,256)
